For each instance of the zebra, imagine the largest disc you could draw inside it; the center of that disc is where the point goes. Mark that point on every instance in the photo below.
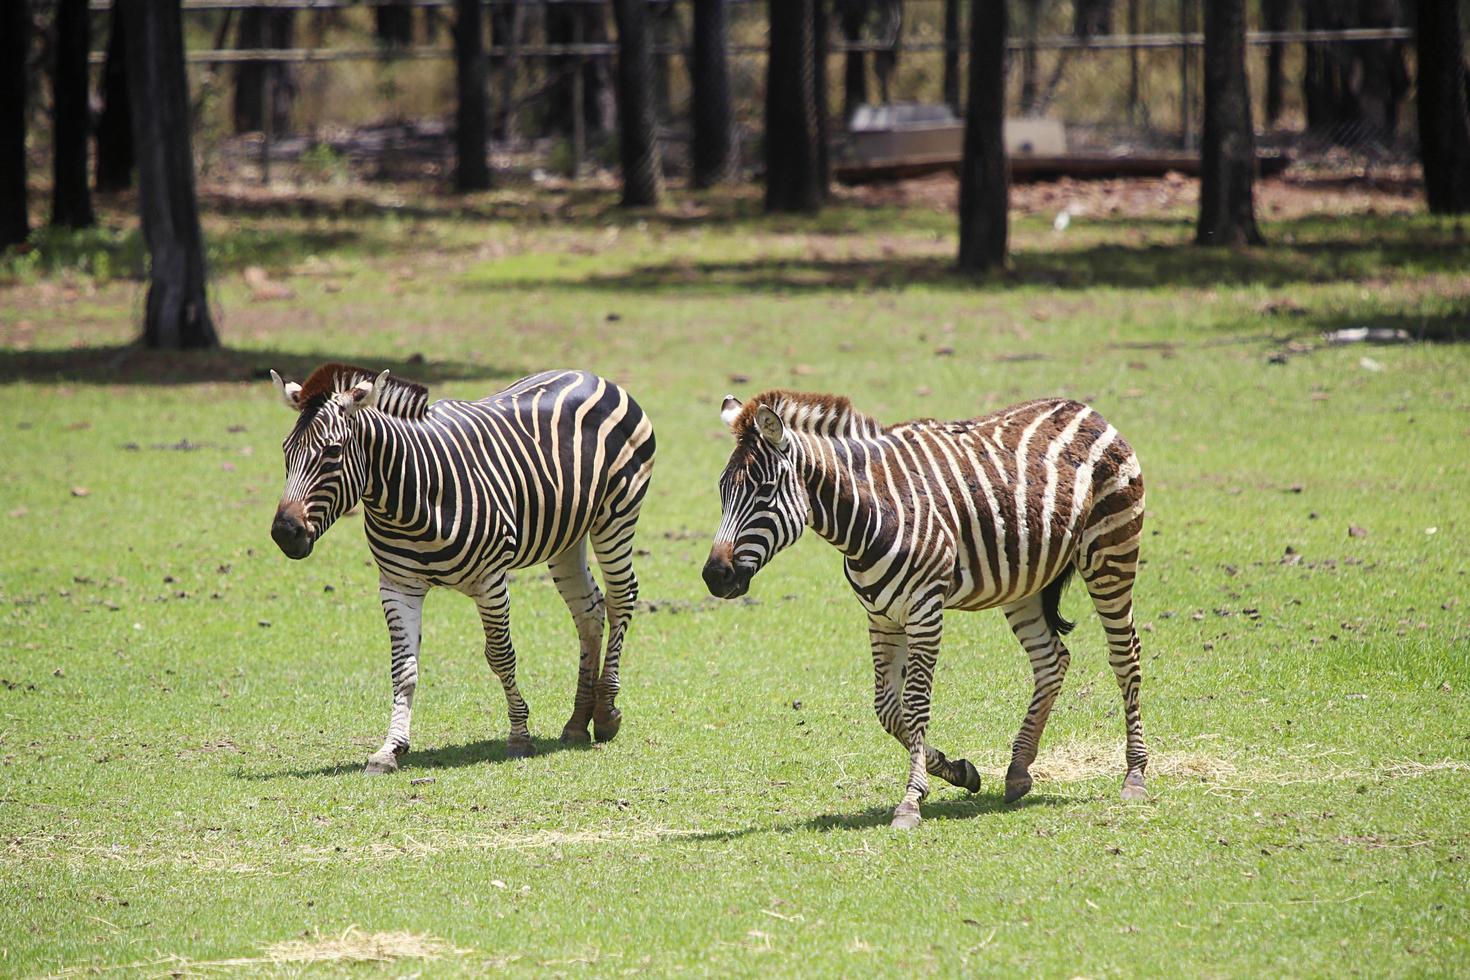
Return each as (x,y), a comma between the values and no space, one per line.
(458,493)
(992,511)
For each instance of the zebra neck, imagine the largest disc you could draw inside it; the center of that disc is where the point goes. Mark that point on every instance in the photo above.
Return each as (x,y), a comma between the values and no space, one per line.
(843,508)
(398,464)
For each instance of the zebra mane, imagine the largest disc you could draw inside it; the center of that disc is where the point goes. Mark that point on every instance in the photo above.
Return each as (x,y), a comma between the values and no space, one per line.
(404,399)
(826,415)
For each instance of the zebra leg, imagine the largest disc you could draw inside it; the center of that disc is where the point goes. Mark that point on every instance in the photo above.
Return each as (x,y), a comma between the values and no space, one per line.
(923,630)
(1109,576)
(613,545)
(574,581)
(403,607)
(1049,659)
(890,659)
(494,605)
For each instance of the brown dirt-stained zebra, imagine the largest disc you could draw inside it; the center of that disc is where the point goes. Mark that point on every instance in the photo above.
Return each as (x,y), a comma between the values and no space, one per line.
(994,511)
(458,493)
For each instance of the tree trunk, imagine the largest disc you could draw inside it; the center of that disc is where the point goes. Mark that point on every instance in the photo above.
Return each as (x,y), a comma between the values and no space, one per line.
(1444,116)
(393,23)
(1228,153)
(71,200)
(257,82)
(1029,66)
(507,25)
(115,125)
(638,125)
(664,25)
(1091,17)
(984,169)
(952,55)
(854,63)
(472,172)
(714,142)
(793,156)
(15,40)
(572,23)
(177,312)
(1275,15)
(821,48)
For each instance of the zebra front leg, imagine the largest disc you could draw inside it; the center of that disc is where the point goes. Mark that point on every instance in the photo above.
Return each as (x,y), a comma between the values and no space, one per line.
(494,606)
(890,658)
(584,600)
(403,608)
(613,546)
(1049,660)
(923,630)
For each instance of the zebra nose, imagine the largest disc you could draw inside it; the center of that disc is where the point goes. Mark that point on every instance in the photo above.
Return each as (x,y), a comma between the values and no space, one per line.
(290,535)
(719,575)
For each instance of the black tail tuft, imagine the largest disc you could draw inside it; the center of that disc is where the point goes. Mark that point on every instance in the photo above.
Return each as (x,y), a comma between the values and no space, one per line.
(1051,600)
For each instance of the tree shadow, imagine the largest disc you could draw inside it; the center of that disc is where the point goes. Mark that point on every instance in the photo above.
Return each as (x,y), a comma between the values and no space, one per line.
(132,364)
(417,762)
(958,808)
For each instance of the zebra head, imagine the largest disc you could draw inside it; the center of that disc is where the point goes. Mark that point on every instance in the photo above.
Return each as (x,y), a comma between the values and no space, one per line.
(326,465)
(765,506)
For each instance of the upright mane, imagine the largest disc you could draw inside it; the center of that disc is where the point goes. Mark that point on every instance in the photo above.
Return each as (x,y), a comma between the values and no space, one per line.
(826,415)
(404,399)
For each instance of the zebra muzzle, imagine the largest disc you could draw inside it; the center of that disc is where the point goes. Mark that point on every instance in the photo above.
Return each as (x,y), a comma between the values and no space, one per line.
(724,579)
(289,531)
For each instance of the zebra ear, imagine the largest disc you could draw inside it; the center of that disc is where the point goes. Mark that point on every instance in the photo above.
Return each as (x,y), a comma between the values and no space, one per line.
(289,391)
(770,426)
(364,394)
(729,410)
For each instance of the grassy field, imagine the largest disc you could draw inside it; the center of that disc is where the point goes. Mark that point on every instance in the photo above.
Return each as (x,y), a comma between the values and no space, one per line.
(184,713)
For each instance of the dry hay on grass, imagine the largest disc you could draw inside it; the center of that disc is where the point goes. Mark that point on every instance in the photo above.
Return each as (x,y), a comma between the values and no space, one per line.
(1079,761)
(352,946)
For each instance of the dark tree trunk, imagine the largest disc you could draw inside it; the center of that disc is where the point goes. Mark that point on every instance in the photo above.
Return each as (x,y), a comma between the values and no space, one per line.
(854,63)
(793,131)
(115,125)
(507,25)
(15,40)
(1029,66)
(952,54)
(393,23)
(885,59)
(71,200)
(472,173)
(257,82)
(1275,15)
(638,125)
(1444,116)
(178,309)
(714,142)
(1228,153)
(1090,17)
(984,169)
(572,23)
(1383,77)
(664,24)
(821,48)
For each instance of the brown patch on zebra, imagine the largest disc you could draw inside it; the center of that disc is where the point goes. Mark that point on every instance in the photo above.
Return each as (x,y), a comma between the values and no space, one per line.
(826,414)
(333,377)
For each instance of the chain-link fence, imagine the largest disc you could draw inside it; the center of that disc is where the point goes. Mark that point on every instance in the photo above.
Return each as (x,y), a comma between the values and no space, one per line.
(339,89)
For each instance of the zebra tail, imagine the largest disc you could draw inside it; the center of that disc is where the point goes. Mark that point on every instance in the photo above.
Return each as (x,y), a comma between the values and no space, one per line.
(1051,600)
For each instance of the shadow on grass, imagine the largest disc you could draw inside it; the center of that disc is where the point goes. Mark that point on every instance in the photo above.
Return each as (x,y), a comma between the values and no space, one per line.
(132,364)
(420,762)
(961,808)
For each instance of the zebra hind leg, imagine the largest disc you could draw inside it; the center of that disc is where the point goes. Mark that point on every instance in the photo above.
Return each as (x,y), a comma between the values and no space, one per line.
(613,545)
(1049,660)
(584,600)
(1110,582)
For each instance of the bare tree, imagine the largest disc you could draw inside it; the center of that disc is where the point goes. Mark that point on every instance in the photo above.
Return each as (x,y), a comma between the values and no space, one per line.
(637,122)
(177,313)
(1228,153)
(984,169)
(1275,15)
(1444,117)
(794,174)
(115,125)
(264,85)
(393,23)
(472,173)
(952,54)
(15,41)
(71,197)
(714,133)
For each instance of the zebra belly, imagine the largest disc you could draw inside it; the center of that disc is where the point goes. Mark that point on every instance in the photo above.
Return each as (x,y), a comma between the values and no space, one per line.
(982,581)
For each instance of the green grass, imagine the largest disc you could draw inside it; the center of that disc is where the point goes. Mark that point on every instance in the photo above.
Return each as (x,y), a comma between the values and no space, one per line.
(184,713)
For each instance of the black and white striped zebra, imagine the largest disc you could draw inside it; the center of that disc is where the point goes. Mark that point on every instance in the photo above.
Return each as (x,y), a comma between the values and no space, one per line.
(994,511)
(458,493)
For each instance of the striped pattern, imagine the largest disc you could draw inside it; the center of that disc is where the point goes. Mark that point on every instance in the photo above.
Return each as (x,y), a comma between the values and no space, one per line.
(458,493)
(990,512)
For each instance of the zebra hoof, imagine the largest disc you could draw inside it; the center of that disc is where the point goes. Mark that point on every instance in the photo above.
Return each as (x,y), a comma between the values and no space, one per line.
(1133,786)
(967,777)
(381,764)
(605,726)
(906,817)
(572,735)
(519,749)
(1018,782)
